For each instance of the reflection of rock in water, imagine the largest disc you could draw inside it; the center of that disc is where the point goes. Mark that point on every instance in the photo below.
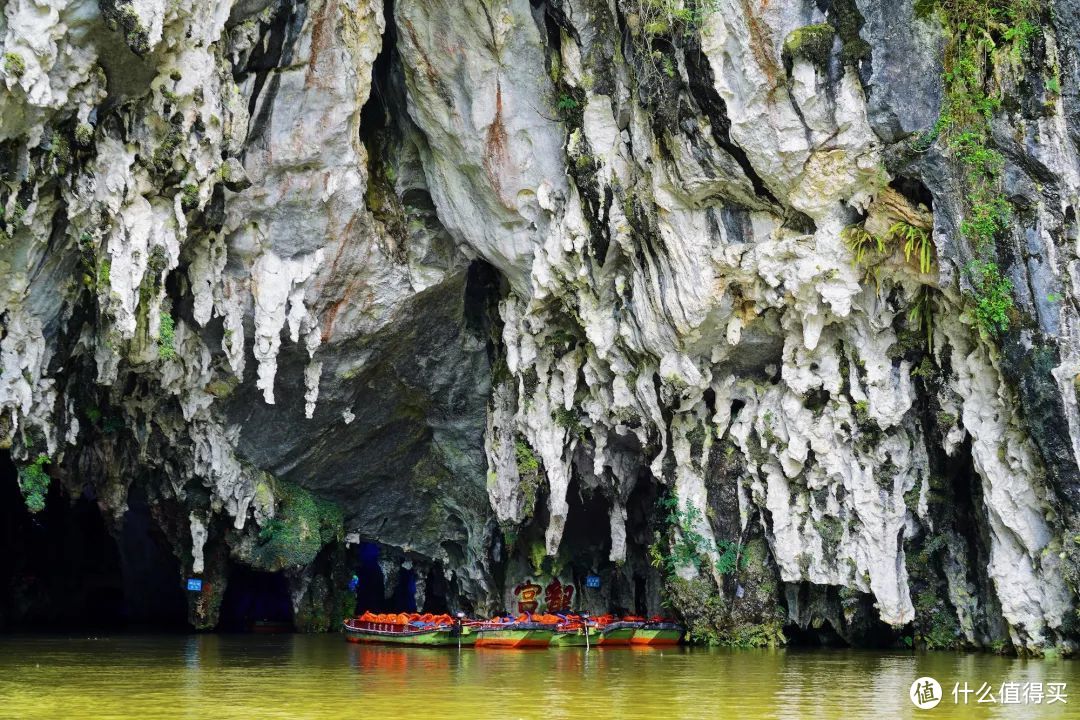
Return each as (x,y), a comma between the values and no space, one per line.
(707,304)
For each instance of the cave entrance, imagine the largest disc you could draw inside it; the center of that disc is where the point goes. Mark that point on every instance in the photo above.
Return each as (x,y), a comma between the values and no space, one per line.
(824,635)
(62,570)
(436,590)
(255,602)
(371,588)
(404,597)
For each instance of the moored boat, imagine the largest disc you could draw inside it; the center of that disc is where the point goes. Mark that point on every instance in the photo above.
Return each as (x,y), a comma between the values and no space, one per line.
(615,631)
(575,631)
(522,632)
(413,629)
(657,631)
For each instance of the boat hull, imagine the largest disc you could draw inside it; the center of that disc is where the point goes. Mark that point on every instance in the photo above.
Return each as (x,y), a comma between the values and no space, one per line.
(621,634)
(441,637)
(514,638)
(574,638)
(652,637)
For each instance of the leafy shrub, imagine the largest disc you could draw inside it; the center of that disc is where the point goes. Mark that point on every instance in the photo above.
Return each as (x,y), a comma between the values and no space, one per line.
(34,483)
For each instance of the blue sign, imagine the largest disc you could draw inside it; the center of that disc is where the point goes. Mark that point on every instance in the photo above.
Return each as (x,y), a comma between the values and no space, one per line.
(592,581)
(194,584)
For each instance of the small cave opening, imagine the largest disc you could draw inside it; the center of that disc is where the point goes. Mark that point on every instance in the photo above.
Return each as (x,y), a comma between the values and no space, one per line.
(814,636)
(482,294)
(586,542)
(375,115)
(371,585)
(62,570)
(404,597)
(436,591)
(255,601)
(914,191)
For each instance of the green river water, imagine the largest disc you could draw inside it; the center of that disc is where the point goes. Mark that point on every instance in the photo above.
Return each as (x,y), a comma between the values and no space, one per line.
(221,677)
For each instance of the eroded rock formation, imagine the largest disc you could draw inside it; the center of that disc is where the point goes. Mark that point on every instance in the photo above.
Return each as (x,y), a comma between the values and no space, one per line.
(768,309)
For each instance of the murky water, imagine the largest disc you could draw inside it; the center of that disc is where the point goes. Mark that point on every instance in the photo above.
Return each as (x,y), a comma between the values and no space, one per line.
(300,676)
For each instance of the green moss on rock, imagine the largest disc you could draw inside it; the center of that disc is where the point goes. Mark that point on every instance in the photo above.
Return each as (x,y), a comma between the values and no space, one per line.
(812,42)
(301,526)
(14,65)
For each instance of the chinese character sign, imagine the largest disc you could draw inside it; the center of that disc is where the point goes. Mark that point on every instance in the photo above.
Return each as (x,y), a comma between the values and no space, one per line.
(558,596)
(555,597)
(526,594)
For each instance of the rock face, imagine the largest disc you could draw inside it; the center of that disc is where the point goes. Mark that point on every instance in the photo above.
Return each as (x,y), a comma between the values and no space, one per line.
(765,310)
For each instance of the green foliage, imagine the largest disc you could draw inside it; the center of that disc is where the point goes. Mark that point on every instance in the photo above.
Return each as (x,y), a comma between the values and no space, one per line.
(984,33)
(14,65)
(728,560)
(566,103)
(684,546)
(301,526)
(103,273)
(860,242)
(915,241)
(993,296)
(660,17)
(166,337)
(665,20)
(189,196)
(709,620)
(569,420)
(34,483)
(916,244)
(527,463)
(938,628)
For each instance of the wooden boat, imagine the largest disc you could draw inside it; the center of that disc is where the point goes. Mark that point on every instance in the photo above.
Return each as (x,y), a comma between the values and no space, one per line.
(618,631)
(575,632)
(575,637)
(435,631)
(522,632)
(657,631)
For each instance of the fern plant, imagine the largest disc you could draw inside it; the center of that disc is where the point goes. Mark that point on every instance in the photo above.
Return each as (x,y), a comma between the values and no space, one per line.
(916,244)
(859,242)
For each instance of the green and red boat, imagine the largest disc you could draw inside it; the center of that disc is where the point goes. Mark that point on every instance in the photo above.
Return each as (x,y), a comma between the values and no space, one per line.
(617,631)
(414,629)
(525,631)
(657,632)
(575,631)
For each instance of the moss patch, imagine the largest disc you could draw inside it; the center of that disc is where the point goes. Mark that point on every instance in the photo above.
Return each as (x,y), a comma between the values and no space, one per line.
(301,526)
(813,43)
(14,65)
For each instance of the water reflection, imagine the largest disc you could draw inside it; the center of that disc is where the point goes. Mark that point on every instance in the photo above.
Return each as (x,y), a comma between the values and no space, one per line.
(318,677)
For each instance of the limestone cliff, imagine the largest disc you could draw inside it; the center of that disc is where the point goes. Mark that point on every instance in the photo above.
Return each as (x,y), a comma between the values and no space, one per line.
(767,311)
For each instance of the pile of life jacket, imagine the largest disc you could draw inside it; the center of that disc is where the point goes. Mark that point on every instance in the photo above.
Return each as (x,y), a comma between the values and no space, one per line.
(410,619)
